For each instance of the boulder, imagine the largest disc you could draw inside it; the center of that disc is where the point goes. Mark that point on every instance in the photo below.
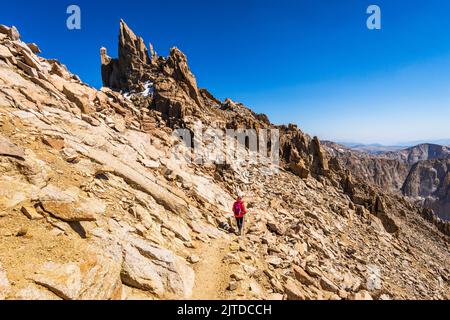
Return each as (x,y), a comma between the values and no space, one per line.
(4,29)
(96,277)
(14,34)
(69,212)
(292,291)
(302,276)
(5,53)
(27,69)
(34,48)
(31,60)
(300,169)
(276,228)
(7,148)
(80,96)
(193,259)
(62,279)
(151,268)
(233,286)
(274,260)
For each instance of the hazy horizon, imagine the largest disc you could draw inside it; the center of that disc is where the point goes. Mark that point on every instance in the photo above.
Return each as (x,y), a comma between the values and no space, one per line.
(313,64)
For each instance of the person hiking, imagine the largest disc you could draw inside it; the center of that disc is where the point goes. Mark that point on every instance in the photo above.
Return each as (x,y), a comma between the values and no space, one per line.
(239,211)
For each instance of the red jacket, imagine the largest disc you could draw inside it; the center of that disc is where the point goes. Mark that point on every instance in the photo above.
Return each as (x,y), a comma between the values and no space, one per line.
(239,209)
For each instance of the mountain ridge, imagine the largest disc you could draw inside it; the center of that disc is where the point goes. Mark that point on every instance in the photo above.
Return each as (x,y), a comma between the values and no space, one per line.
(405,171)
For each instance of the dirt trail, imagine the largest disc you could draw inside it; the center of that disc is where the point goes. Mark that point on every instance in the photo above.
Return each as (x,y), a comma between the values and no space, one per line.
(212,275)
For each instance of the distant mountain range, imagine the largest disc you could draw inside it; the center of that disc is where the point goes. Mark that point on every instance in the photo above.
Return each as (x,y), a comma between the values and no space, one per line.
(377,148)
(442,142)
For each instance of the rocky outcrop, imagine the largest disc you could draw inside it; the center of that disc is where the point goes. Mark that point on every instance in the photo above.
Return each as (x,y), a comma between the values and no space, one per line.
(420,152)
(151,268)
(130,69)
(419,173)
(96,277)
(302,154)
(176,96)
(429,183)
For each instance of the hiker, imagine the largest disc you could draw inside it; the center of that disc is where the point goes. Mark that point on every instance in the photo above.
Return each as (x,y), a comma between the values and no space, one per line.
(239,211)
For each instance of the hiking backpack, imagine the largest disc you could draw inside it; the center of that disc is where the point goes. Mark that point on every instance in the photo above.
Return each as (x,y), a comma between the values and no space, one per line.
(237,208)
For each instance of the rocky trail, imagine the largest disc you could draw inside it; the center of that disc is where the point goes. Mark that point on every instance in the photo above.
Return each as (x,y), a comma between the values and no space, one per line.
(212,274)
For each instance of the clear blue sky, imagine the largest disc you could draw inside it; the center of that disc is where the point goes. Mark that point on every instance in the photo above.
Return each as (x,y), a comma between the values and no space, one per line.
(310,62)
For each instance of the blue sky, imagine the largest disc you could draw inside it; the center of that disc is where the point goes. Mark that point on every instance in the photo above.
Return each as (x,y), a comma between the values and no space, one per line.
(313,63)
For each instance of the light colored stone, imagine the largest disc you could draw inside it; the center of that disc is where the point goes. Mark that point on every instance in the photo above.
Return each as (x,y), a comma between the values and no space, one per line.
(5,286)
(361,295)
(34,292)
(276,228)
(31,213)
(152,268)
(79,95)
(274,260)
(69,212)
(151,164)
(70,155)
(163,196)
(5,53)
(31,60)
(53,193)
(96,277)
(193,259)
(255,289)
(63,280)
(238,276)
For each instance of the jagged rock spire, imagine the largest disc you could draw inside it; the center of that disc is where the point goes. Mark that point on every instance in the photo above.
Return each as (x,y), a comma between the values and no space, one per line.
(176,94)
(177,67)
(132,48)
(129,69)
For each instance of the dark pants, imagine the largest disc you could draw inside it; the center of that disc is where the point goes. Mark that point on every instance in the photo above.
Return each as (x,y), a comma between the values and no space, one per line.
(240,223)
